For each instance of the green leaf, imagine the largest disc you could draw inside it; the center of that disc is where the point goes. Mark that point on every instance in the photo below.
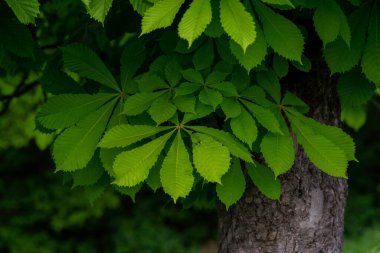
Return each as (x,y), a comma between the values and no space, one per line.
(58,82)
(75,147)
(162,110)
(141,5)
(98,9)
(211,158)
(280,66)
(354,89)
(228,89)
(231,107)
(237,22)
(132,167)
(214,29)
(82,60)
(90,174)
(204,56)
(173,73)
(129,191)
(107,157)
(233,185)
(270,83)
(193,76)
(195,20)
(210,97)
(215,77)
(279,2)
(65,110)
(185,103)
(278,152)
(281,34)
(153,180)
(330,21)
(255,53)
(26,10)
(333,134)
(264,116)
(140,102)
(125,135)
(160,15)
(326,155)
(371,55)
(354,117)
(16,38)
(244,127)
(177,171)
(304,66)
(131,60)
(149,82)
(265,181)
(338,55)
(290,99)
(235,147)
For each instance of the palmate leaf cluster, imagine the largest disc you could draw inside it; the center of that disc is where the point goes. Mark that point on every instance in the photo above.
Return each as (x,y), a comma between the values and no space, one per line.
(192,106)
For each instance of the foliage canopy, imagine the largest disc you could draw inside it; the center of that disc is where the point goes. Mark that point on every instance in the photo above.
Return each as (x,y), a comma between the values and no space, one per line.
(189,107)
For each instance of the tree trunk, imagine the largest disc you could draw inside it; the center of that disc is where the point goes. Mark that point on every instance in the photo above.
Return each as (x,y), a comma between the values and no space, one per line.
(309,218)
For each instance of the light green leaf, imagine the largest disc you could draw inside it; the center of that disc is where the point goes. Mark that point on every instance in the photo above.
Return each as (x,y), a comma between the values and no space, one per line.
(132,167)
(140,102)
(160,15)
(140,5)
(235,147)
(244,127)
(211,159)
(107,157)
(82,60)
(333,134)
(26,10)
(264,116)
(265,181)
(195,20)
(290,99)
(98,9)
(210,97)
(233,185)
(326,155)
(371,55)
(255,53)
(162,110)
(281,34)
(278,152)
(74,148)
(177,171)
(125,135)
(65,110)
(237,22)
(231,107)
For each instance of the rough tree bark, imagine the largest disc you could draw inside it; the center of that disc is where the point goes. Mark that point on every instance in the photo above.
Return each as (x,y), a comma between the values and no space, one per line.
(309,218)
